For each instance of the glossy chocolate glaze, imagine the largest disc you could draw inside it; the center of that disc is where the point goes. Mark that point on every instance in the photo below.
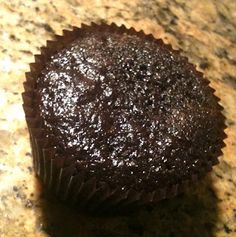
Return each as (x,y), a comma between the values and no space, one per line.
(131,112)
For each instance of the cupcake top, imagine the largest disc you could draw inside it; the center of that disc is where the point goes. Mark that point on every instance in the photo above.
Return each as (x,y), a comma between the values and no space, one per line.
(128,110)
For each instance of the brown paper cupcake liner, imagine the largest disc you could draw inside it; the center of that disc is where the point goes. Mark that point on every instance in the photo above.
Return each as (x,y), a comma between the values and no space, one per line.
(58,174)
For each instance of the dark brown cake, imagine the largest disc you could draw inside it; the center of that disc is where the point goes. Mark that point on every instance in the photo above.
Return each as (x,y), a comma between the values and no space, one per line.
(119,109)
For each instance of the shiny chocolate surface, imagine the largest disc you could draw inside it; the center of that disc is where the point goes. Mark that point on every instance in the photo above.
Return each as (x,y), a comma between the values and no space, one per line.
(130,111)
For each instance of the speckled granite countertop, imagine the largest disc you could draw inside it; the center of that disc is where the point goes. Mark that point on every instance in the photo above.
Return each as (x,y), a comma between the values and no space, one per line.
(204,29)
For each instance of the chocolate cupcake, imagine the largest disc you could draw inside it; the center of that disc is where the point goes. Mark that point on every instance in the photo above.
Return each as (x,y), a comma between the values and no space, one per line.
(117,117)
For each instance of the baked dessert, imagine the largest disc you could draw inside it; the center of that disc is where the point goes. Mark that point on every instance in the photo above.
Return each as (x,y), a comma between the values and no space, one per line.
(117,117)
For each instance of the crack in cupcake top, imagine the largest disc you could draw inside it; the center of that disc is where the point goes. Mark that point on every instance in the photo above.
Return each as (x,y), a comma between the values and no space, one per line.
(132,112)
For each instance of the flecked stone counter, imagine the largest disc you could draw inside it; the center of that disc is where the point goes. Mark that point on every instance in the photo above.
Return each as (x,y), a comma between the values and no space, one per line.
(205,30)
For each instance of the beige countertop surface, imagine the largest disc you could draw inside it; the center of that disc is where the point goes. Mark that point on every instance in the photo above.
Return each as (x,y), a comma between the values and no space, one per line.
(204,29)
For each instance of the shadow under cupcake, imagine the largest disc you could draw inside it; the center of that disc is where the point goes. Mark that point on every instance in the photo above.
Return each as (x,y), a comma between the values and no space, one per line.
(194,214)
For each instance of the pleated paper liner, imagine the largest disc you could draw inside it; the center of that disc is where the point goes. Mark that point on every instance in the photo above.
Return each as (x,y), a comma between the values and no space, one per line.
(58,173)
